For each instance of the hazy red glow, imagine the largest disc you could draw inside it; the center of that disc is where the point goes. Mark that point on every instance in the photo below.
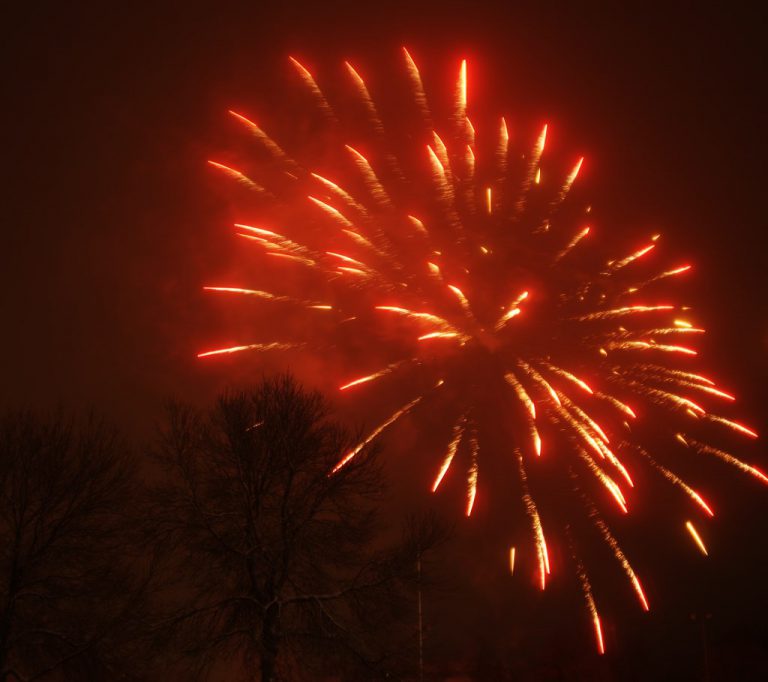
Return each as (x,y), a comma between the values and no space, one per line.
(561,364)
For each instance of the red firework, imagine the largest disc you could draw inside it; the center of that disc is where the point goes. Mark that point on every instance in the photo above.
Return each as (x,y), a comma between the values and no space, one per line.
(482,259)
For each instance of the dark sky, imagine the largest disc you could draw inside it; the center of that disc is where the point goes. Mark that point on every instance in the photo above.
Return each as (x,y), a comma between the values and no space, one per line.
(111,223)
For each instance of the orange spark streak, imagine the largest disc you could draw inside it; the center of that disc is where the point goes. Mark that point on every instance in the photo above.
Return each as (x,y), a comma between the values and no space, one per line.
(725,456)
(453,446)
(733,425)
(371,179)
(619,554)
(488,201)
(438,335)
(297,259)
(248,292)
(474,449)
(237,175)
(628,310)
(571,377)
(429,317)
(502,150)
(371,377)
(252,346)
(566,185)
(617,265)
(626,409)
(418,86)
(460,295)
(572,244)
(511,560)
(461,93)
(610,485)
(347,259)
(340,192)
(521,394)
(367,99)
(331,211)
(356,450)
(533,515)
(598,633)
(418,225)
(586,590)
(265,139)
(696,538)
(310,82)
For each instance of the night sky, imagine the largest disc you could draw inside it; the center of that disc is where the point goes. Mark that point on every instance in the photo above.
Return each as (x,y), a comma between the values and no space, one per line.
(112,221)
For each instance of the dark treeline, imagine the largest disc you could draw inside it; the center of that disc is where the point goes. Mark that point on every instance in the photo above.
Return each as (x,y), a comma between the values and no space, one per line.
(224,550)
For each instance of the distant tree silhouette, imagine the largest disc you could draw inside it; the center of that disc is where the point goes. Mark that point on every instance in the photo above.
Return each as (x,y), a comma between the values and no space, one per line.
(280,567)
(67,595)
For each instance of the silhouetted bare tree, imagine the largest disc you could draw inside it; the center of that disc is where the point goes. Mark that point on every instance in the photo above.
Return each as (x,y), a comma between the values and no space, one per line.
(67,593)
(280,563)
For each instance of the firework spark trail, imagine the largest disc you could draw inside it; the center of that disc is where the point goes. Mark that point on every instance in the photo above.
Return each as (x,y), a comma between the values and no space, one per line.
(375,186)
(533,167)
(620,312)
(309,80)
(408,241)
(362,89)
(696,538)
(502,150)
(275,149)
(276,345)
(610,485)
(453,446)
(663,275)
(586,589)
(540,381)
(418,88)
(474,451)
(356,450)
(735,426)
(530,408)
(571,245)
(533,515)
(238,176)
(611,541)
(725,456)
(631,258)
(372,377)
(566,187)
(677,481)
(266,295)
(340,192)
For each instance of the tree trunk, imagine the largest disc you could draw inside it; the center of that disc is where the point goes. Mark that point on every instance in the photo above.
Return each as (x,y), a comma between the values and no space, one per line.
(270,643)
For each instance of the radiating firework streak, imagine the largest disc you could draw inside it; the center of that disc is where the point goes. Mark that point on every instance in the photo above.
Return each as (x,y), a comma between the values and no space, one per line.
(586,589)
(484,260)
(453,446)
(533,515)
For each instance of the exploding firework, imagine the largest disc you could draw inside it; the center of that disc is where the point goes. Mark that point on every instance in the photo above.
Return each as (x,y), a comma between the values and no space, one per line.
(465,261)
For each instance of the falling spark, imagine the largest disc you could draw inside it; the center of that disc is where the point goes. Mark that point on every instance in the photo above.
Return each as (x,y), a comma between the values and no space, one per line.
(696,538)
(237,175)
(371,377)
(372,436)
(251,346)
(474,449)
(453,446)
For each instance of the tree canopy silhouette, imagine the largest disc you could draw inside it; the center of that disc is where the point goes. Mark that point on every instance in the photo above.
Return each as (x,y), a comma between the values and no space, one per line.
(68,596)
(279,564)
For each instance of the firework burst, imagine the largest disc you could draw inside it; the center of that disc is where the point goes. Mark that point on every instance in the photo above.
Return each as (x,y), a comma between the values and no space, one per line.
(470,264)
